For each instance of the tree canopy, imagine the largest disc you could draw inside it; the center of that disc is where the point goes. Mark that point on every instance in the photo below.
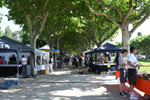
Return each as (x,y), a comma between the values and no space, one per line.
(121,13)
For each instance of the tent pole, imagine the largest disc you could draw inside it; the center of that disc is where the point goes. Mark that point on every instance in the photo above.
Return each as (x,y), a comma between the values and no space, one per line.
(18,66)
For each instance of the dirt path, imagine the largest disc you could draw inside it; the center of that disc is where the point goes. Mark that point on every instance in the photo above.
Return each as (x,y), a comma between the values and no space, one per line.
(65,84)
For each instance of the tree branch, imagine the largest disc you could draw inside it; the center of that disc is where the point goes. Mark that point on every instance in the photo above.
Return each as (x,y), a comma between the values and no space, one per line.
(139,16)
(93,30)
(44,17)
(113,7)
(139,23)
(102,14)
(128,14)
(112,33)
(45,5)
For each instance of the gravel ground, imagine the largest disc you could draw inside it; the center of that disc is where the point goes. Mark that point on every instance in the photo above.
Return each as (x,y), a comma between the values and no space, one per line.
(66,84)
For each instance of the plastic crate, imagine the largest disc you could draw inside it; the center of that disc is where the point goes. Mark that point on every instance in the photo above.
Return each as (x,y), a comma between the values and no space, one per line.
(8,84)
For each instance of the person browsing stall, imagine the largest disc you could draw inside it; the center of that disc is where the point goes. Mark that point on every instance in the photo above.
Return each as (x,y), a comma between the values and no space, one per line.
(123,71)
(1,60)
(24,65)
(51,62)
(86,63)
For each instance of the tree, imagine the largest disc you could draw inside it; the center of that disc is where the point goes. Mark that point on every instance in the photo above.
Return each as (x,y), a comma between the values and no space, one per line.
(31,15)
(122,13)
(0,17)
(1,4)
(98,30)
(8,32)
(54,28)
(25,37)
(142,43)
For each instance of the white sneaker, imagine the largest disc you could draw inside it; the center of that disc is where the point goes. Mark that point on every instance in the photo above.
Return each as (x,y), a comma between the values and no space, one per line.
(132,97)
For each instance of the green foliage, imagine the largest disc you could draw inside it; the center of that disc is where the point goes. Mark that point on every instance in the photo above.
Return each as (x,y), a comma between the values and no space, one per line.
(8,32)
(1,32)
(142,44)
(26,40)
(123,6)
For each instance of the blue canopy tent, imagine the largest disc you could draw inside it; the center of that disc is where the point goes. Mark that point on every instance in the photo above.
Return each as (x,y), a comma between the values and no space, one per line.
(109,48)
(8,45)
(89,52)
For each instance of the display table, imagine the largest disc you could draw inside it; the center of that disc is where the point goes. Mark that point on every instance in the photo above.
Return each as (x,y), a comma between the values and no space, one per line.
(103,67)
(9,69)
(141,84)
(39,67)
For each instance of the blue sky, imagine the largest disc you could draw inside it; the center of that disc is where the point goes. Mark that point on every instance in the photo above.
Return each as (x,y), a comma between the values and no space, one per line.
(144,28)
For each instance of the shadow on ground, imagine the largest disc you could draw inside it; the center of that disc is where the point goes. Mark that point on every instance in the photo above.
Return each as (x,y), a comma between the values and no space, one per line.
(65,84)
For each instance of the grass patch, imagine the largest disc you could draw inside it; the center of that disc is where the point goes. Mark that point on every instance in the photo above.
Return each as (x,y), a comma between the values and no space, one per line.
(145,62)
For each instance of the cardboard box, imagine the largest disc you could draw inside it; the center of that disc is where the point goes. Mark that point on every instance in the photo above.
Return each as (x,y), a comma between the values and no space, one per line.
(44,71)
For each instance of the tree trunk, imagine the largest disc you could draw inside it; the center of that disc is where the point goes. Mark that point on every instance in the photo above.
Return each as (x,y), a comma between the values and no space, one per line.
(33,66)
(58,43)
(125,37)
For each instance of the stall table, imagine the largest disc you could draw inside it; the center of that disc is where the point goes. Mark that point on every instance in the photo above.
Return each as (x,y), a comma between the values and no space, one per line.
(9,69)
(141,84)
(103,67)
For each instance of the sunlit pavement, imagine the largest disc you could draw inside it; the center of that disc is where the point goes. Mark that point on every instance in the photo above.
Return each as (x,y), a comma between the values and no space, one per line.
(65,84)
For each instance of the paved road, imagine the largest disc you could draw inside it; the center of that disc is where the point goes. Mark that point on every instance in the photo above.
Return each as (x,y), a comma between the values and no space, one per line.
(65,84)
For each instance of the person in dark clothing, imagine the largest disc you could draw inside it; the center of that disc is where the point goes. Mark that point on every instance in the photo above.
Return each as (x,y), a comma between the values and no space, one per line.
(1,60)
(90,63)
(13,60)
(117,60)
(81,60)
(75,61)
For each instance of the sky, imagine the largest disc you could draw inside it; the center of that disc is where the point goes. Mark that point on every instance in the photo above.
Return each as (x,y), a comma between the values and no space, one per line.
(4,23)
(144,28)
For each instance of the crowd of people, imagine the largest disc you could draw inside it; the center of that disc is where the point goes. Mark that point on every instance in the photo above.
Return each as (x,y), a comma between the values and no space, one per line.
(85,62)
(126,63)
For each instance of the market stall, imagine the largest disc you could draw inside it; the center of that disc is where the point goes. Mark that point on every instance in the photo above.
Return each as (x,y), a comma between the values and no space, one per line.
(107,49)
(8,45)
(57,62)
(142,84)
(103,67)
(42,59)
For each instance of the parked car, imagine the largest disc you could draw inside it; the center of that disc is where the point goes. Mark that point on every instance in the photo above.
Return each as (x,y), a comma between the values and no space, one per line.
(141,56)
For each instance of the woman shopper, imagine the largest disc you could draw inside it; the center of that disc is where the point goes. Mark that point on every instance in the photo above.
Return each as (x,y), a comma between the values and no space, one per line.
(123,71)
(86,64)
(81,61)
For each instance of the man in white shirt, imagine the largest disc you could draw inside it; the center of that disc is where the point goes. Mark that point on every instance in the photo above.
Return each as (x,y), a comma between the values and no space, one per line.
(24,64)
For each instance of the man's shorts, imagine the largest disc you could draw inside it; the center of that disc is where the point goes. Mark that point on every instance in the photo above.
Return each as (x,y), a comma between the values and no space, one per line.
(132,75)
(123,75)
